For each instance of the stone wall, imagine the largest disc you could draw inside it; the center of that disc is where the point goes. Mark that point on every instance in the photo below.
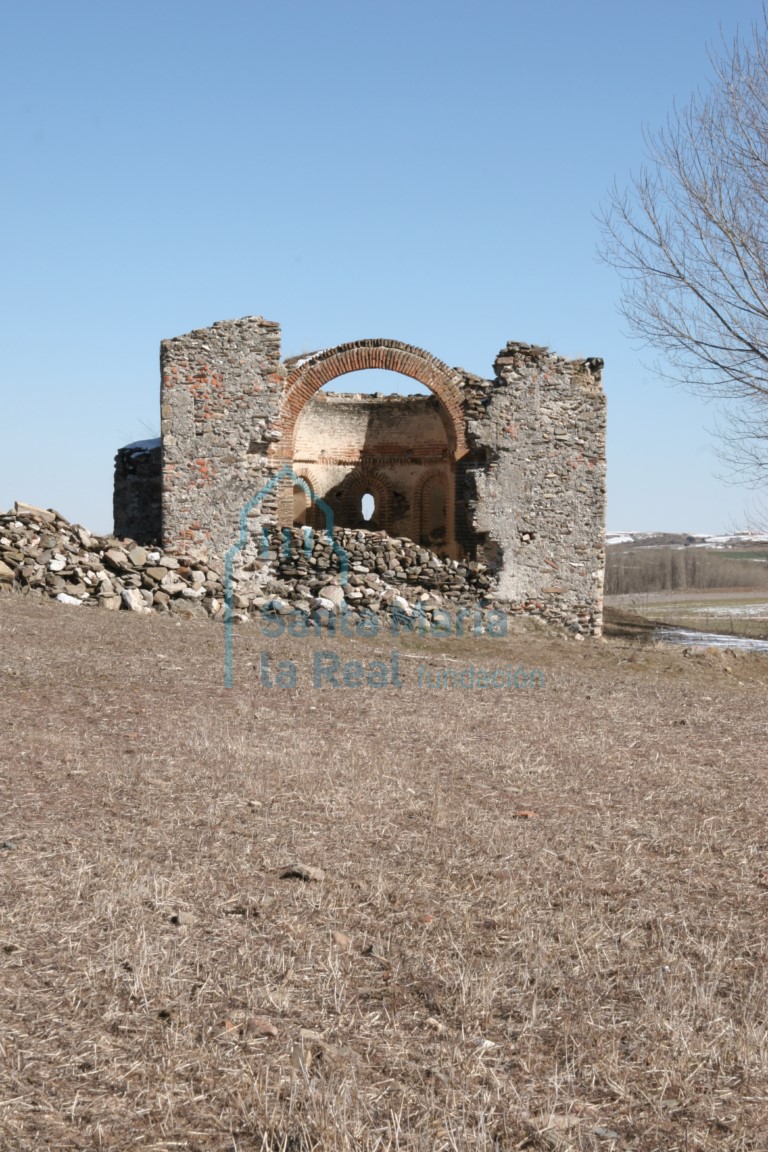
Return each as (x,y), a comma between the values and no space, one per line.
(220,404)
(138,494)
(522,455)
(535,489)
(306,573)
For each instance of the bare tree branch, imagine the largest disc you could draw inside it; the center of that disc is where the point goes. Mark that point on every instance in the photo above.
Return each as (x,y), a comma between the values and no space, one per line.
(690,239)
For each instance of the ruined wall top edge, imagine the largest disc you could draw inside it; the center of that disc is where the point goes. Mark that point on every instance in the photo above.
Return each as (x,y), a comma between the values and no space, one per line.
(218,325)
(375,399)
(516,357)
(516,353)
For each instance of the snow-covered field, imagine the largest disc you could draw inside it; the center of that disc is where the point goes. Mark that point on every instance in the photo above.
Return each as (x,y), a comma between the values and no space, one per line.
(692,639)
(654,539)
(745,611)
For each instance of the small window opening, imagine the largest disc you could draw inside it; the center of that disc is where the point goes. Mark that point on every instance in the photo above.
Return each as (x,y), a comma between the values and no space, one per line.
(367,506)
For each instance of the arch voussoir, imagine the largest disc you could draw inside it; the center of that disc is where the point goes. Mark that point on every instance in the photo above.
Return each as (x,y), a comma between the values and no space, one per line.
(309,375)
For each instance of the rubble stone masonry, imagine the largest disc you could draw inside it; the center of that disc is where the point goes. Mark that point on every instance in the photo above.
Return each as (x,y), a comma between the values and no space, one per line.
(507,472)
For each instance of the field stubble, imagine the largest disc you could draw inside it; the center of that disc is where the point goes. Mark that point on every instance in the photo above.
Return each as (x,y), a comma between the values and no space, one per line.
(541,921)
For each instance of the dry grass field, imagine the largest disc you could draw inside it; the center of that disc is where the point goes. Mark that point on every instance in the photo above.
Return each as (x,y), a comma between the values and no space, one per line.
(377,918)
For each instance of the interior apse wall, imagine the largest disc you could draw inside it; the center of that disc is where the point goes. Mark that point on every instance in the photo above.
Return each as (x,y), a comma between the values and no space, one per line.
(394,448)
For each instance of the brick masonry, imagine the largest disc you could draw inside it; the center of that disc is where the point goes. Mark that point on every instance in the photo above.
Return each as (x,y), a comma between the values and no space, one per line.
(389,446)
(522,455)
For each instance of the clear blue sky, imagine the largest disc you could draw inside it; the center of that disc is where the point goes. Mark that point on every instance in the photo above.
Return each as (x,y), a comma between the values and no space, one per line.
(424,171)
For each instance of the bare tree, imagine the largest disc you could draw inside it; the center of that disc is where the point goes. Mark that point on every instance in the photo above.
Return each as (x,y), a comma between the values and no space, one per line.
(690,238)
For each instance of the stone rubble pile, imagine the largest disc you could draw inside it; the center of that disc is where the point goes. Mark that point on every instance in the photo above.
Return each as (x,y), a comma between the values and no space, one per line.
(41,553)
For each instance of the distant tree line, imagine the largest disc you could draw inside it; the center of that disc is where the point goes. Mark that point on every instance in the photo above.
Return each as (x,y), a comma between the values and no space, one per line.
(630,570)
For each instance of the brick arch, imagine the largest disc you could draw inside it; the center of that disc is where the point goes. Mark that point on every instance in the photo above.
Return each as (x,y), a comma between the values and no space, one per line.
(354,486)
(310,373)
(307,476)
(418,496)
(448,484)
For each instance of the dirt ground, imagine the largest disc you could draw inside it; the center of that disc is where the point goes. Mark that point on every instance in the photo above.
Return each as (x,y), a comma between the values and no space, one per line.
(377,918)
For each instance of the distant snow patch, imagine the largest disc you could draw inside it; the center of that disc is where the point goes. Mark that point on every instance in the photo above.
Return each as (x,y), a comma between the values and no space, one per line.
(695,540)
(738,538)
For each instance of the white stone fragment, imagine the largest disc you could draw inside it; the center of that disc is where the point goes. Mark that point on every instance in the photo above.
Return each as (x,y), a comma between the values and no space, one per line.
(65,598)
(133,600)
(334,593)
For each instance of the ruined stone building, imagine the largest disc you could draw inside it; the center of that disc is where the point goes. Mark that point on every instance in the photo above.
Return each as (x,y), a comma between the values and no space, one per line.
(509,470)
